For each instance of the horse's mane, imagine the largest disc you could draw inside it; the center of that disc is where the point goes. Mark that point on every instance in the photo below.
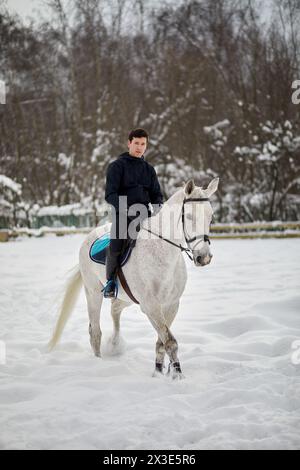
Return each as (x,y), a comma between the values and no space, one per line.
(179,194)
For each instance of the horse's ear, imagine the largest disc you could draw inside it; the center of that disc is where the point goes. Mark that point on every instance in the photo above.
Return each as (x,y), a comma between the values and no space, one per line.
(212,187)
(189,187)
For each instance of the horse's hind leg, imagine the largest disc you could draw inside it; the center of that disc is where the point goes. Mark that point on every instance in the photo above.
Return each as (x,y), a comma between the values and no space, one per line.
(117,307)
(94,299)
(160,357)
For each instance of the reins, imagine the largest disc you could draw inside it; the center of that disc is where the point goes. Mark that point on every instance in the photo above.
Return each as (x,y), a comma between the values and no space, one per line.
(204,237)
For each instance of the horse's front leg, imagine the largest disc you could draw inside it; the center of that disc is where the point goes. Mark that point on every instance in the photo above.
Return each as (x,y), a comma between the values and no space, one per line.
(166,342)
(171,348)
(169,313)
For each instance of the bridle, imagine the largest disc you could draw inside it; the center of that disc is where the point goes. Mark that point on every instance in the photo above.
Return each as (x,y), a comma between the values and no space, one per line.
(200,237)
(204,237)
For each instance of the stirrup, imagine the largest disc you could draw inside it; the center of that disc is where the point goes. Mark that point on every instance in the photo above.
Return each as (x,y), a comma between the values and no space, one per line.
(110,293)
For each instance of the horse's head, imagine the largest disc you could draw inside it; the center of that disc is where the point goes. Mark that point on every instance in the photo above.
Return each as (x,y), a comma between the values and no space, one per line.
(196,219)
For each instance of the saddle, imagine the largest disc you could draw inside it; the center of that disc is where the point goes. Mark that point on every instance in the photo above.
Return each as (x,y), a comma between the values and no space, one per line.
(98,253)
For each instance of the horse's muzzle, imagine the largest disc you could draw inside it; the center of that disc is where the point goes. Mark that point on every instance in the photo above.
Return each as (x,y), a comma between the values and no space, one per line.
(202,260)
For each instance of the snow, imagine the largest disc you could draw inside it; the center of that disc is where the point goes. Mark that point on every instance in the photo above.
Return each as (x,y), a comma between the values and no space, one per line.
(64,160)
(214,130)
(78,208)
(7,182)
(218,125)
(245,151)
(58,210)
(272,148)
(237,328)
(216,134)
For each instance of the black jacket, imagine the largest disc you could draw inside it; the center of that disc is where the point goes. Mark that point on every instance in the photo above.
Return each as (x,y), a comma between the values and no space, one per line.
(132,177)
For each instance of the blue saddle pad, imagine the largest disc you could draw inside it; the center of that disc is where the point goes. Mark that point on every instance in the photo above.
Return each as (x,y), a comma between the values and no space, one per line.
(100,246)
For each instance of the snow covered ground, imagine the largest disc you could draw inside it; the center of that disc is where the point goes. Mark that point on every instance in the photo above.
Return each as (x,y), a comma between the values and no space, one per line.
(236,325)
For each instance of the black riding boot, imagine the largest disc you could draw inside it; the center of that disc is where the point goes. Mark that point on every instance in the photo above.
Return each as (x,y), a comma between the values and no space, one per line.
(112,263)
(117,243)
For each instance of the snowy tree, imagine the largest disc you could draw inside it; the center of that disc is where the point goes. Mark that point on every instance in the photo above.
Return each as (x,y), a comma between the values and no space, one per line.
(272,176)
(10,198)
(200,76)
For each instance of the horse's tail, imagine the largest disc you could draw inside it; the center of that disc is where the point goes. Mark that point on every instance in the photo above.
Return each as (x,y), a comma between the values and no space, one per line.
(72,291)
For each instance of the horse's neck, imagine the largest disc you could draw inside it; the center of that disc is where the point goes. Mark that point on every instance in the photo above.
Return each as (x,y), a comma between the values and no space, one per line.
(167,223)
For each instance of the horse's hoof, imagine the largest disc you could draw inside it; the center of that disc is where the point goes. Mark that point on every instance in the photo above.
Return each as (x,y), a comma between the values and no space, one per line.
(174,370)
(178,376)
(158,372)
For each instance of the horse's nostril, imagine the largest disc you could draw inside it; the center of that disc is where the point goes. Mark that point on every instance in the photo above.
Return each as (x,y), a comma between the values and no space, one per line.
(198,259)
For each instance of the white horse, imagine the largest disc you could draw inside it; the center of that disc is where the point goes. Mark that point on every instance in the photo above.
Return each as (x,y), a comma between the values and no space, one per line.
(155,272)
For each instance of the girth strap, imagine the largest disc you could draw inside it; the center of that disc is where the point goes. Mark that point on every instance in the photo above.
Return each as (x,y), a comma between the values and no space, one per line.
(125,286)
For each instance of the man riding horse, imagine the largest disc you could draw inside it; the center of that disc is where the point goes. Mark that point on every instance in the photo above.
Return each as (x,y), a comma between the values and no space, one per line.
(132,177)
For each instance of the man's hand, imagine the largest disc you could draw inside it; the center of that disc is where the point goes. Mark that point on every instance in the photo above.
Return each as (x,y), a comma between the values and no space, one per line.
(156,208)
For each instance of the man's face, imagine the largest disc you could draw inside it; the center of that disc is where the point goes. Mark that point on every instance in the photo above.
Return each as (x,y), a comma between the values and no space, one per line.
(137,146)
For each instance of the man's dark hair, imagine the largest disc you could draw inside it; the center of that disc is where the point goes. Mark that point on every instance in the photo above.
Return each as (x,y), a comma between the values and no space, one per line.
(138,133)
